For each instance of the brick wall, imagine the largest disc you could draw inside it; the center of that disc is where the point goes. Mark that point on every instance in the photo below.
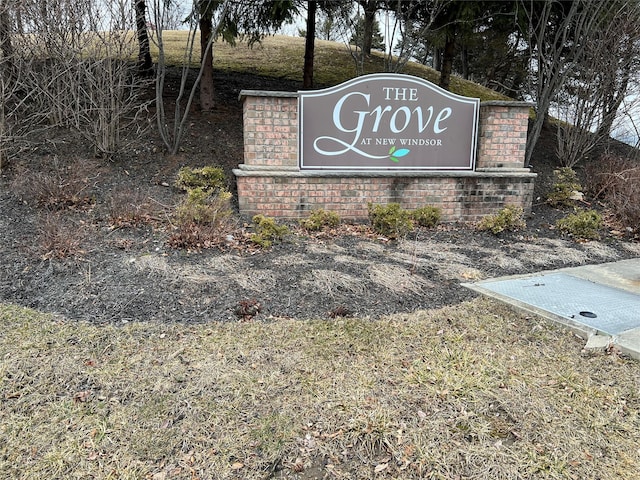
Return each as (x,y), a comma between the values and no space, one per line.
(461,198)
(269,182)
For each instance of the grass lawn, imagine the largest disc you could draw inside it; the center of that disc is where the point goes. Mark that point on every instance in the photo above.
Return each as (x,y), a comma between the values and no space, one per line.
(471,391)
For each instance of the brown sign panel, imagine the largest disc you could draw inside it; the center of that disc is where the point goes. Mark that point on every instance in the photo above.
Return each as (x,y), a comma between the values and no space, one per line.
(387,122)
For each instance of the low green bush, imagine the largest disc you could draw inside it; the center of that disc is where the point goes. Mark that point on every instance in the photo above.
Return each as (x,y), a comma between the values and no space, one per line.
(267,231)
(581,225)
(319,219)
(202,207)
(205,212)
(510,218)
(209,179)
(426,216)
(564,187)
(390,220)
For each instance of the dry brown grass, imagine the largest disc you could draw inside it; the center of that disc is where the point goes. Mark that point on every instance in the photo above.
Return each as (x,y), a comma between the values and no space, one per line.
(332,282)
(59,186)
(397,279)
(131,208)
(60,237)
(283,57)
(472,391)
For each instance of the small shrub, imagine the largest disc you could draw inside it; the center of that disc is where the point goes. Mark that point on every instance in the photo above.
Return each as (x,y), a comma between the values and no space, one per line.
(194,236)
(58,188)
(128,208)
(616,180)
(510,218)
(208,179)
(582,225)
(267,231)
(202,217)
(60,238)
(564,187)
(202,207)
(202,220)
(426,216)
(603,176)
(625,203)
(319,219)
(390,220)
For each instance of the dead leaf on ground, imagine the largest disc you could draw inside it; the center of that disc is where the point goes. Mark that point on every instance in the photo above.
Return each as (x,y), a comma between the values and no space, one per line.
(81,397)
(380,467)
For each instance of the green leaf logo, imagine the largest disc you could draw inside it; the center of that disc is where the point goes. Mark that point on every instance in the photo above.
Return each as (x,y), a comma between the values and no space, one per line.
(395,154)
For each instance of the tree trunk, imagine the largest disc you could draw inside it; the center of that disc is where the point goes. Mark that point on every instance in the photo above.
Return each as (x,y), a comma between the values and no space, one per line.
(557,54)
(145,65)
(6,47)
(447,61)
(615,92)
(307,75)
(369,19)
(465,62)
(515,87)
(437,59)
(19,21)
(610,110)
(206,57)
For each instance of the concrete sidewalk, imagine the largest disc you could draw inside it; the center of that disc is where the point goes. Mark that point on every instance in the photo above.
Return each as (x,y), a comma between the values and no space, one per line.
(599,302)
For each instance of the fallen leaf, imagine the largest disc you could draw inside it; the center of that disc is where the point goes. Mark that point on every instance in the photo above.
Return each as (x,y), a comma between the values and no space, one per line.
(298,465)
(380,467)
(81,397)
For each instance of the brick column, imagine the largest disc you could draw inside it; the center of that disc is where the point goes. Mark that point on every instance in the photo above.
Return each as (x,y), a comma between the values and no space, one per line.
(503,135)
(270,121)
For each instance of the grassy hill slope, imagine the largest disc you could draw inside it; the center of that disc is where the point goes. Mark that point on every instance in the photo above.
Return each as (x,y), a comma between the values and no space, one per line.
(283,57)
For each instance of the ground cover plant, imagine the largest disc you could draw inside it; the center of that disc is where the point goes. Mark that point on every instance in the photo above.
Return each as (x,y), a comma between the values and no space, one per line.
(565,188)
(583,225)
(267,231)
(202,217)
(510,218)
(390,220)
(470,391)
(426,216)
(319,219)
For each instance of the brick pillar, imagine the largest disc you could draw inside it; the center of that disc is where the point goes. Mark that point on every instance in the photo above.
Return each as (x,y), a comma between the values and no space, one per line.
(270,122)
(502,135)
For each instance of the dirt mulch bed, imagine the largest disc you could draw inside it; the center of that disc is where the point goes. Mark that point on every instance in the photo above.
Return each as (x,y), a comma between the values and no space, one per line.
(58,201)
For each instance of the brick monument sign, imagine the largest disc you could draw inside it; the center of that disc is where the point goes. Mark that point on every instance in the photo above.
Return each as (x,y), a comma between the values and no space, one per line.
(382,138)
